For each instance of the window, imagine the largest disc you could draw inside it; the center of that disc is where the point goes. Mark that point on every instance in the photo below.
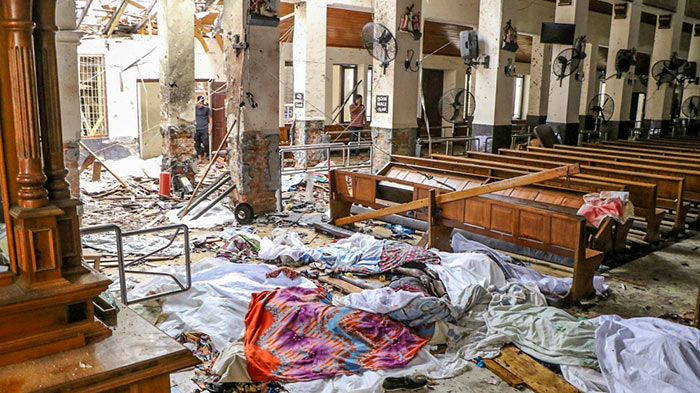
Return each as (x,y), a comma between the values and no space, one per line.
(288,92)
(518,98)
(93,109)
(368,99)
(348,73)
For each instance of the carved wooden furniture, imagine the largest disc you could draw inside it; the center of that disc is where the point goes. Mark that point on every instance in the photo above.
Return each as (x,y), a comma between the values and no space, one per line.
(518,225)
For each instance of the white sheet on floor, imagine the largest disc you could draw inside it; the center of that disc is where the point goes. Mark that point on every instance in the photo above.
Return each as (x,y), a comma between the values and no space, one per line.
(585,379)
(461,273)
(547,284)
(380,301)
(546,333)
(648,355)
(217,215)
(282,242)
(218,300)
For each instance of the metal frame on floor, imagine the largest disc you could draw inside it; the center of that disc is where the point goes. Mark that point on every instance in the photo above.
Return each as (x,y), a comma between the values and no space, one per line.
(122,266)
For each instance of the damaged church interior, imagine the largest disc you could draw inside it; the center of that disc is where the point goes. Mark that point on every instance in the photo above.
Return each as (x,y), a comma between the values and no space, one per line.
(350,196)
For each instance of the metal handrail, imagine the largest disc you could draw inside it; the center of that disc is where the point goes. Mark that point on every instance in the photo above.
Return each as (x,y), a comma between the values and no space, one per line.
(448,141)
(91,230)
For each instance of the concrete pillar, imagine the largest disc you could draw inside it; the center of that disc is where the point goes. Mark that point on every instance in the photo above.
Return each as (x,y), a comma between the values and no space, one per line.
(659,98)
(565,95)
(176,33)
(310,80)
(540,73)
(693,89)
(591,86)
(251,75)
(394,125)
(494,97)
(67,40)
(624,34)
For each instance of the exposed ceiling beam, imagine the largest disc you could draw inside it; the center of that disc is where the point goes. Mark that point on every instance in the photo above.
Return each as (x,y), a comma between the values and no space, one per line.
(88,4)
(114,20)
(146,16)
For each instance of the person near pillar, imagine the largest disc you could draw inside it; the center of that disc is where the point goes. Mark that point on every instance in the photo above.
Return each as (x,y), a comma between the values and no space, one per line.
(203,127)
(357,120)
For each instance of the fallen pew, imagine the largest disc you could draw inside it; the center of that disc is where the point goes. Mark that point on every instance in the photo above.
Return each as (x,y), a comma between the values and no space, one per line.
(516,225)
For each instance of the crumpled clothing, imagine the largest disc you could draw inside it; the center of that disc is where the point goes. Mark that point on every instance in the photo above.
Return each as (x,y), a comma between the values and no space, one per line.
(239,248)
(295,334)
(396,254)
(205,351)
(291,274)
(421,312)
(546,333)
(284,245)
(648,355)
(585,379)
(381,301)
(230,366)
(613,204)
(409,284)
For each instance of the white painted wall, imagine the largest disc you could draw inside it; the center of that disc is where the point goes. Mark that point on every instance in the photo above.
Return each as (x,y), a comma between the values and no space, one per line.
(122,88)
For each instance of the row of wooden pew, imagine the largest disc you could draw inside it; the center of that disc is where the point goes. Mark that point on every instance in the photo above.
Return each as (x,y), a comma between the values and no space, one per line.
(537,220)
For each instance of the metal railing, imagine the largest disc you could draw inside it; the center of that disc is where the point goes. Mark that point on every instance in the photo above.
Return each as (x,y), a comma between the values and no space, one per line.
(449,143)
(344,148)
(92,230)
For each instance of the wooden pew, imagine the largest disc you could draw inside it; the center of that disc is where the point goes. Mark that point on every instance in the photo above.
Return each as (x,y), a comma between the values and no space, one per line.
(516,224)
(662,167)
(671,190)
(638,149)
(609,237)
(655,146)
(615,154)
(643,194)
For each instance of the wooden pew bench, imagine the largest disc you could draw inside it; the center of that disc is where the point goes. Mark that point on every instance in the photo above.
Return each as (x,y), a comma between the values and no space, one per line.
(670,189)
(514,225)
(608,237)
(616,153)
(642,195)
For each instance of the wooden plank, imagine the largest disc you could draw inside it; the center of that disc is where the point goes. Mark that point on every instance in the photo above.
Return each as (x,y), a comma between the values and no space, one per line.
(98,159)
(504,374)
(114,20)
(562,171)
(340,284)
(332,230)
(536,376)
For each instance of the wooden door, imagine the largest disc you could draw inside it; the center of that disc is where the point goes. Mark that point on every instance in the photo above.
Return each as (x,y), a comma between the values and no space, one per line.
(432,91)
(217,102)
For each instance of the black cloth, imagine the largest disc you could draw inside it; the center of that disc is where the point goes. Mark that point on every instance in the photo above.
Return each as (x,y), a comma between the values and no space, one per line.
(201,142)
(202,115)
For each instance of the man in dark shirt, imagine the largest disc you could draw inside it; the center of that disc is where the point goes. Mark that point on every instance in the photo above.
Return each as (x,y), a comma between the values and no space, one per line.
(201,134)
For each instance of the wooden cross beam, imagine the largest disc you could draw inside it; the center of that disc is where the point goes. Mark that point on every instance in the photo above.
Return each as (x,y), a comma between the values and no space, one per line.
(537,177)
(114,20)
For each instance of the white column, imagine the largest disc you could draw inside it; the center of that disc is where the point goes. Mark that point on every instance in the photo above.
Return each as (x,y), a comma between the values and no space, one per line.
(252,147)
(659,98)
(565,96)
(591,85)
(540,73)
(67,40)
(394,131)
(494,97)
(693,55)
(624,34)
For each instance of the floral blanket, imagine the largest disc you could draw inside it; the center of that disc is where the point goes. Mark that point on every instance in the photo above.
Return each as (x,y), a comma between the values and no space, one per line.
(294,334)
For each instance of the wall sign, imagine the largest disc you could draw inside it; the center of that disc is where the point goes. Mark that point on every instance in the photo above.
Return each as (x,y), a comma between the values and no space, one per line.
(298,100)
(382,104)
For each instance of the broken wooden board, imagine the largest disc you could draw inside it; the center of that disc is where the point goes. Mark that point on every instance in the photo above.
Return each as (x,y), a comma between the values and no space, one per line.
(332,230)
(503,373)
(340,284)
(537,377)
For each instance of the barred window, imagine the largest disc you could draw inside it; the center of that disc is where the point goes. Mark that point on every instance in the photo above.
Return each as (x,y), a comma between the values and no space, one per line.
(93,110)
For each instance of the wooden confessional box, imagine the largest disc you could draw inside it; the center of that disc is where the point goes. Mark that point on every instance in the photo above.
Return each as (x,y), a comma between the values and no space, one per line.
(45,291)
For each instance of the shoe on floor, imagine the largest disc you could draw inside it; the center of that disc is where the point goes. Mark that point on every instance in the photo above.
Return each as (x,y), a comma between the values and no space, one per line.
(403,383)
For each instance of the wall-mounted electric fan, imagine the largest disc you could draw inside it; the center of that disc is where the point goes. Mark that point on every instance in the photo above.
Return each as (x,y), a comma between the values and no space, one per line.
(666,71)
(566,63)
(601,107)
(691,107)
(380,43)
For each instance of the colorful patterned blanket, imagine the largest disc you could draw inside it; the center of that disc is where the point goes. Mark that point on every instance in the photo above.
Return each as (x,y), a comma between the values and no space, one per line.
(294,334)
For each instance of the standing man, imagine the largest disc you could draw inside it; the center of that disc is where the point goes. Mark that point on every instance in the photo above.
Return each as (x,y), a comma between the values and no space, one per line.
(203,126)
(357,120)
